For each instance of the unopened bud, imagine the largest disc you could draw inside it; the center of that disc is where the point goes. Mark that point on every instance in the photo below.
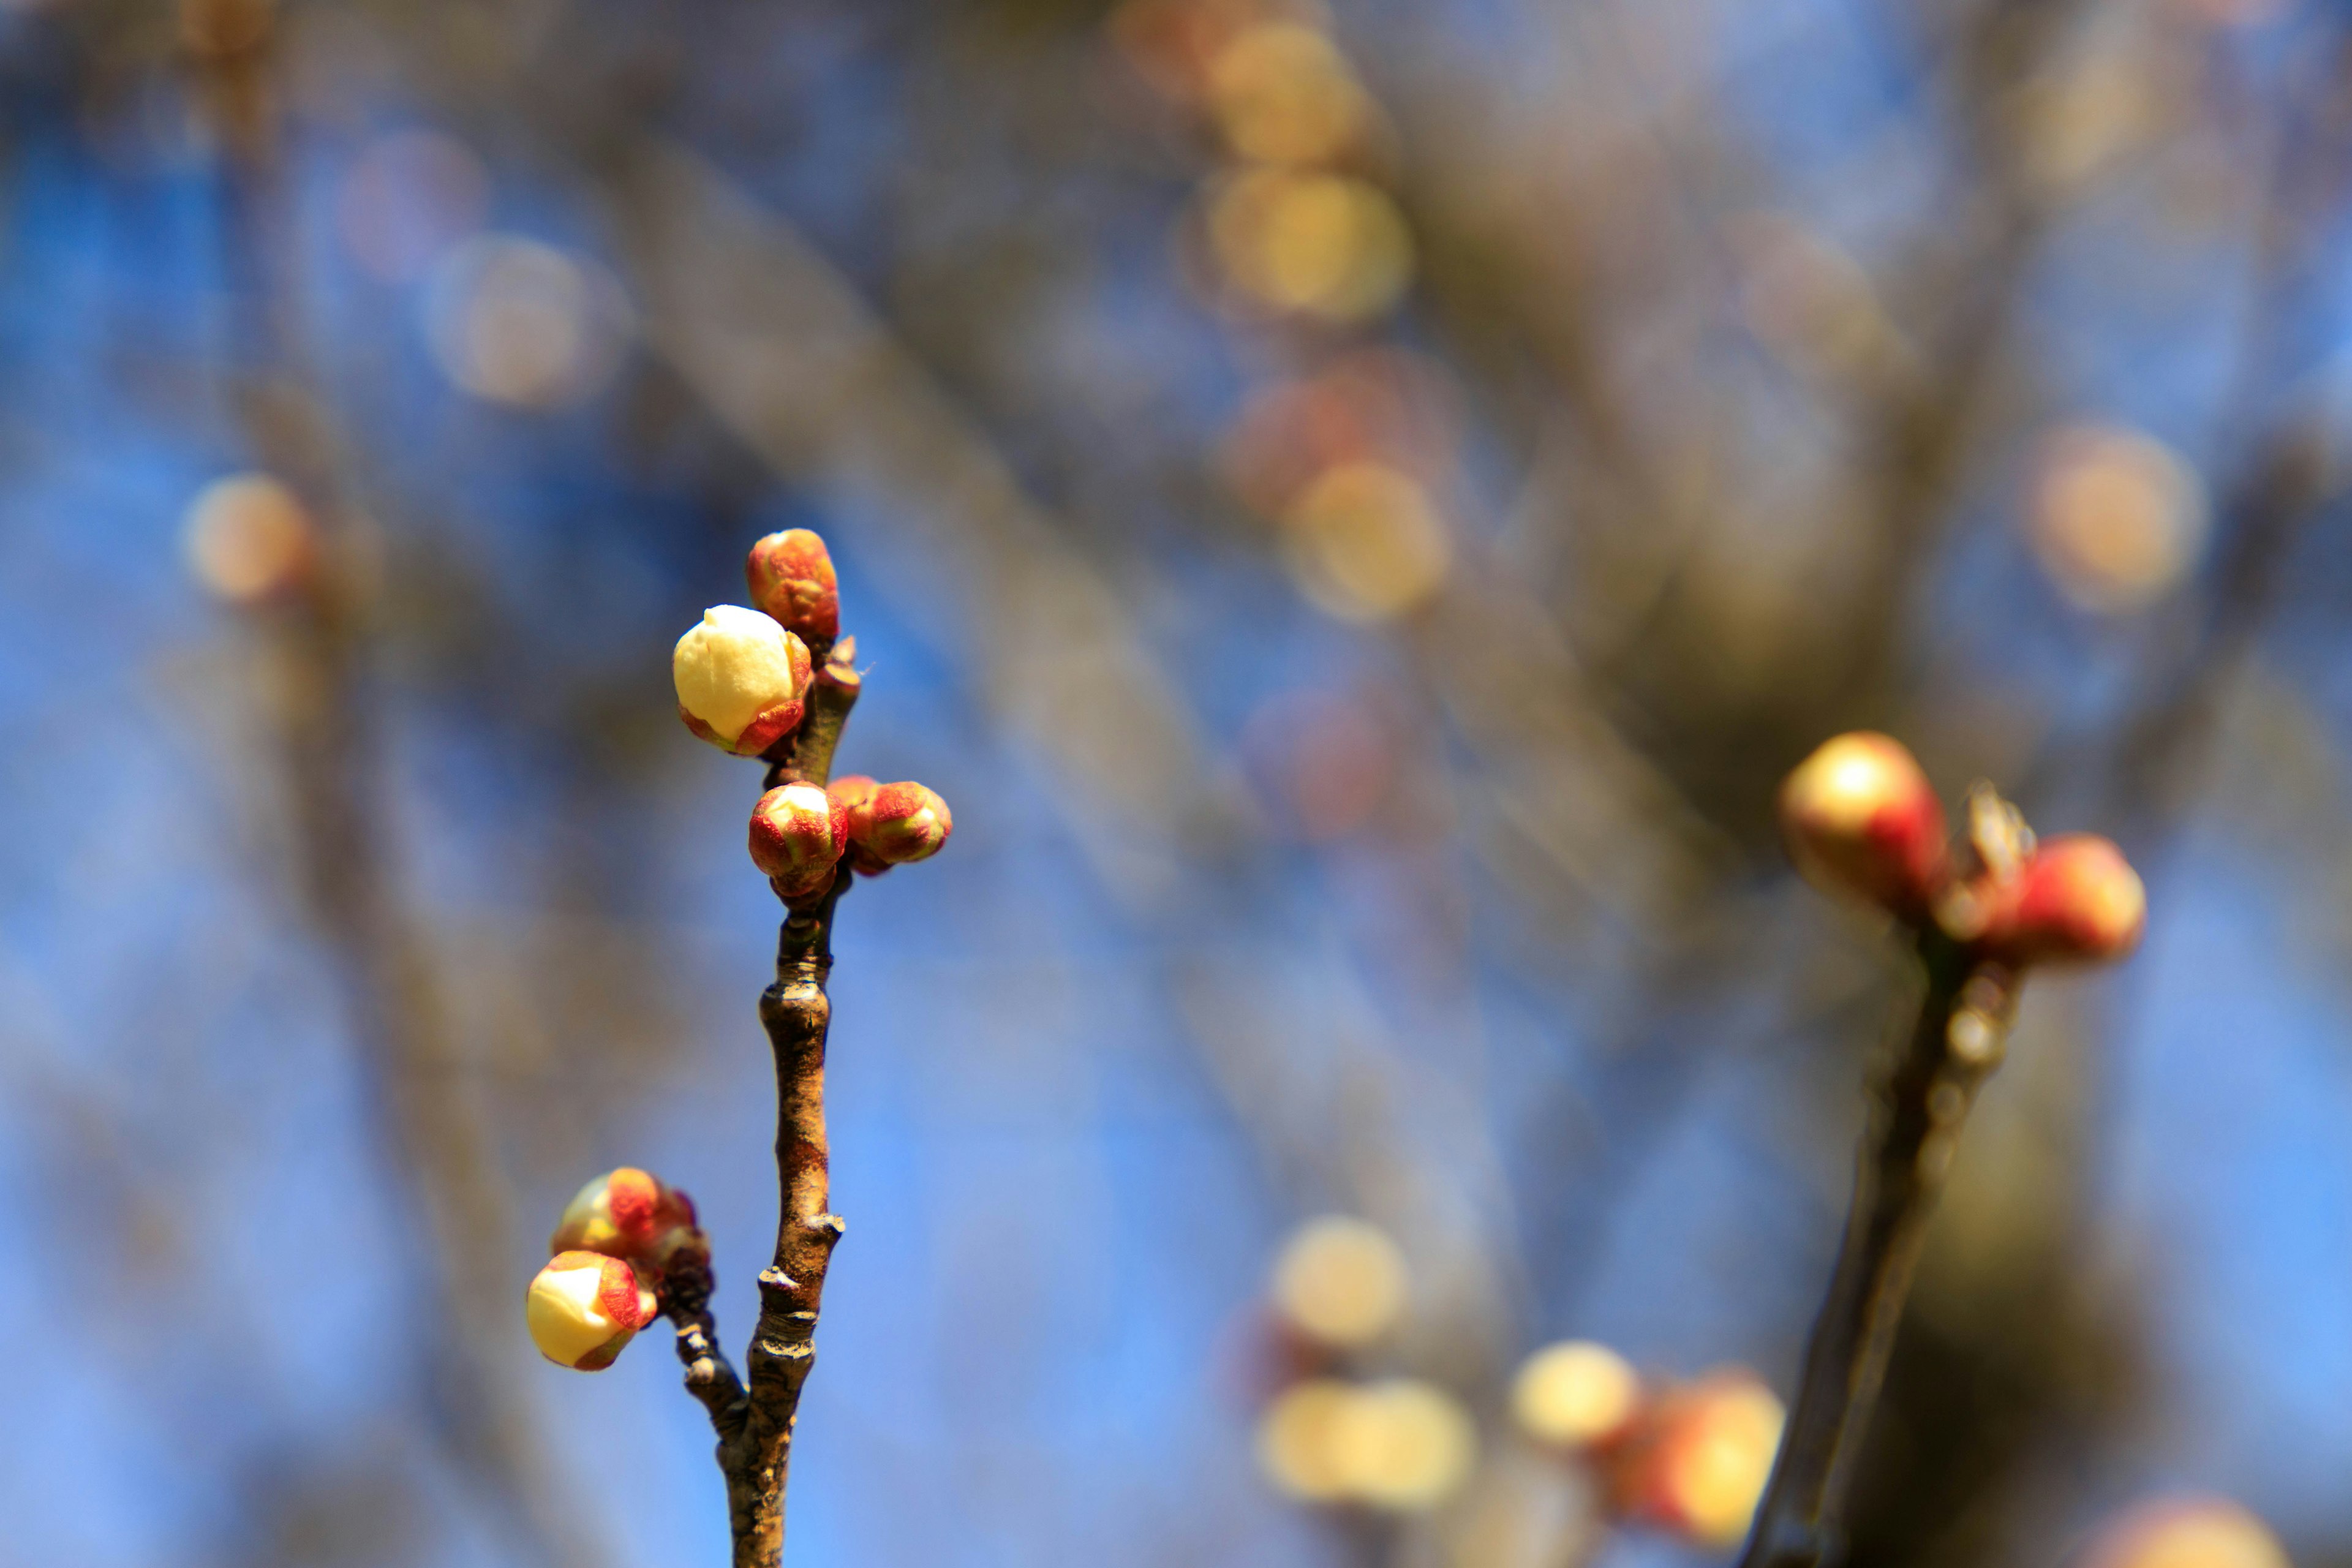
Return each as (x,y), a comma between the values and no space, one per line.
(585,1308)
(798,835)
(1697,1460)
(1860,817)
(2186,1532)
(742,680)
(1399,1444)
(1340,1283)
(1298,1439)
(1404,1445)
(1574,1394)
(250,539)
(897,824)
(791,578)
(630,1214)
(2075,900)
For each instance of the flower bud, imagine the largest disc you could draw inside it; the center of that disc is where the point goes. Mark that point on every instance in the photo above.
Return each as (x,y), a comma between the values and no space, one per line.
(1697,1461)
(633,1215)
(585,1308)
(798,835)
(1404,1445)
(2075,900)
(897,824)
(250,540)
(1575,1394)
(2186,1532)
(742,680)
(791,578)
(1860,817)
(1340,1283)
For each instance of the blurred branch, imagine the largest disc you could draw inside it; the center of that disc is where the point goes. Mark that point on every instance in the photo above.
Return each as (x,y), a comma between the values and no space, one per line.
(425,1128)
(1916,1117)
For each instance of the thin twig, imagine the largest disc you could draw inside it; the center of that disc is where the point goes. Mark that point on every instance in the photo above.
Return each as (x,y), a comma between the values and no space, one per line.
(1915,1120)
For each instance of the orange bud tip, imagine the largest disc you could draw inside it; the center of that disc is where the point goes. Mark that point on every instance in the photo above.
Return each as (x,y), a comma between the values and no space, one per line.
(1861,819)
(632,1214)
(2075,900)
(790,578)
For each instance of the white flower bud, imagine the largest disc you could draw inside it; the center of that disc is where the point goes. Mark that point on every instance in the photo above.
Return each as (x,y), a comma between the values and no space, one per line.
(742,680)
(584,1307)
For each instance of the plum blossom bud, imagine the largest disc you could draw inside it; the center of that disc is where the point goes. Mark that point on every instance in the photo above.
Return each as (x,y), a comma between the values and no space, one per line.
(1575,1394)
(742,680)
(1860,817)
(2186,1532)
(633,1215)
(1340,1283)
(1696,1461)
(585,1308)
(791,578)
(2075,900)
(798,835)
(897,824)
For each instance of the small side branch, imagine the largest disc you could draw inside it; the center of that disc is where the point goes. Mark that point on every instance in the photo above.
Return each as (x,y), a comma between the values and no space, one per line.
(709,1376)
(1916,1121)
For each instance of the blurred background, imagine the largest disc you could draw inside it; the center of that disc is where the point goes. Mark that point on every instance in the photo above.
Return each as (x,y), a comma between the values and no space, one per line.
(1355,509)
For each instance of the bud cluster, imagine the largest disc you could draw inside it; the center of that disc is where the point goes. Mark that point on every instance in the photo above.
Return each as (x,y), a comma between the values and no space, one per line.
(1690,1458)
(1861,819)
(747,680)
(1400,1444)
(617,1239)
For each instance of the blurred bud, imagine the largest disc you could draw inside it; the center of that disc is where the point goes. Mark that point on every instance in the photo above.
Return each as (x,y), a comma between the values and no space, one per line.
(1282,94)
(407,198)
(1340,1283)
(898,824)
(791,578)
(1365,543)
(249,539)
(215,29)
(1299,1441)
(2116,521)
(1575,1393)
(798,835)
(2186,1532)
(1321,245)
(1377,404)
(1404,1445)
(2075,900)
(1697,1460)
(742,680)
(1860,817)
(1174,44)
(516,321)
(633,1215)
(585,1308)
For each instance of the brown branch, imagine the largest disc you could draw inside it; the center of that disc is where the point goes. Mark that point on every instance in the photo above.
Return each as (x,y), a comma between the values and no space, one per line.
(709,1376)
(1916,1121)
(755,1423)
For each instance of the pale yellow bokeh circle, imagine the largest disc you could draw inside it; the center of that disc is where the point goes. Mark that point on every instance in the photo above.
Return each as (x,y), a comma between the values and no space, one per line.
(1322,245)
(1365,543)
(1574,1392)
(1404,1445)
(1299,1441)
(247,536)
(1341,1282)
